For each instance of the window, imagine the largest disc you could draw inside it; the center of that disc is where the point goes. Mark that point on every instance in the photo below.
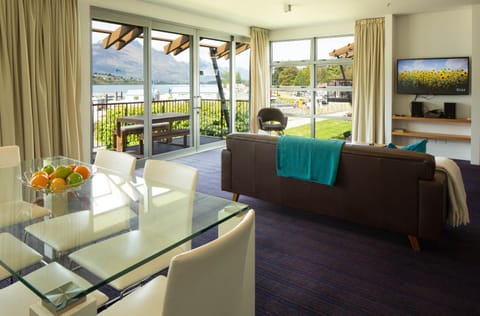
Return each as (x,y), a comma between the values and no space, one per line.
(314,91)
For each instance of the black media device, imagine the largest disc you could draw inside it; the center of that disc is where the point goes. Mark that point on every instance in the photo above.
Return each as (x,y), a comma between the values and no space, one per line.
(449,110)
(417,109)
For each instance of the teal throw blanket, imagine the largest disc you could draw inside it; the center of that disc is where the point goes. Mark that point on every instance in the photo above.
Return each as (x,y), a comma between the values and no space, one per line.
(308,159)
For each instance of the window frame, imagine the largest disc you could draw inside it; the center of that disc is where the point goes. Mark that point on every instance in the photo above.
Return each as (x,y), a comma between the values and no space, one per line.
(313,63)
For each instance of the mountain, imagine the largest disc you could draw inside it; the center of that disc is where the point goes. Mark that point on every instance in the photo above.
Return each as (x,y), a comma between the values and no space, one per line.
(128,63)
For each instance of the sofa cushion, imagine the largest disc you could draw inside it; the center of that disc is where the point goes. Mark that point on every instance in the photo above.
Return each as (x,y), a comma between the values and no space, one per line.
(420,146)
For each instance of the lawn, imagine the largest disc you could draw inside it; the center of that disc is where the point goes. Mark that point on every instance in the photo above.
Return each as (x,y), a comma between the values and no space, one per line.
(325,129)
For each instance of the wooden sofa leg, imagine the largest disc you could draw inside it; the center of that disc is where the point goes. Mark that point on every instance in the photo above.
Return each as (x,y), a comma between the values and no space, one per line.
(414,243)
(235,197)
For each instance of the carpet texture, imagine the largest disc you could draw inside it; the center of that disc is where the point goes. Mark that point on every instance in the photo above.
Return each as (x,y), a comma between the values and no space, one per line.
(309,264)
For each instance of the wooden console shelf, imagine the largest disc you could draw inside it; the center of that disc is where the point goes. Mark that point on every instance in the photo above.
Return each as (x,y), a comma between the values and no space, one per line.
(429,119)
(431,135)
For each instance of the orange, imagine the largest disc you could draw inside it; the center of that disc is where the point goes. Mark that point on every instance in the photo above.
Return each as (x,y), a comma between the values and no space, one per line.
(57,184)
(39,181)
(83,170)
(40,172)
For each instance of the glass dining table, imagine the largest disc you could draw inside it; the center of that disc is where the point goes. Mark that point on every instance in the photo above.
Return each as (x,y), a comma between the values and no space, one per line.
(102,230)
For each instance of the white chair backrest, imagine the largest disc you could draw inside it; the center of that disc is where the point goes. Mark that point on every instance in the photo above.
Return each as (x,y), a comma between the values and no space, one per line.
(173,208)
(171,173)
(120,162)
(9,173)
(208,280)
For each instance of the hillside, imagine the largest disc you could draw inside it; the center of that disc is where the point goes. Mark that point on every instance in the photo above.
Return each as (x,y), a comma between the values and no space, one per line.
(127,63)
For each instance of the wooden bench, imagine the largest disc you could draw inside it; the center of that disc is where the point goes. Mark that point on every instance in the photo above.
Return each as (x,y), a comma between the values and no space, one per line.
(167,136)
(120,136)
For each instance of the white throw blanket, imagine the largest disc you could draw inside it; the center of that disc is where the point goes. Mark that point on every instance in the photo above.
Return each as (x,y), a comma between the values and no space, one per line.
(458,209)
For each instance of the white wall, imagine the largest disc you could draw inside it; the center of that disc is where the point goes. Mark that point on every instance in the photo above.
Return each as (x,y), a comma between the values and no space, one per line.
(435,34)
(141,9)
(475,67)
(438,34)
(331,29)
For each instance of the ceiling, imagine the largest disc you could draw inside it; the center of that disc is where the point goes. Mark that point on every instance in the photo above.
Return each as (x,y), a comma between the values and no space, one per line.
(270,14)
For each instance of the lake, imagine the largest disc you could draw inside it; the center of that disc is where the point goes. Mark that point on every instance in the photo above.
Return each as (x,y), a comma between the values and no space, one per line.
(159,91)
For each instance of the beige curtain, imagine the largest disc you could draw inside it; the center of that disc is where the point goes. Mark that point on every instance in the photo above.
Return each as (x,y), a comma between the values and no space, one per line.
(260,73)
(369,82)
(39,73)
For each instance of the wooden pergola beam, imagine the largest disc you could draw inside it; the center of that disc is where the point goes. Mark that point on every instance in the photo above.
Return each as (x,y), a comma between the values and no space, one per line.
(345,51)
(224,50)
(116,35)
(127,38)
(177,46)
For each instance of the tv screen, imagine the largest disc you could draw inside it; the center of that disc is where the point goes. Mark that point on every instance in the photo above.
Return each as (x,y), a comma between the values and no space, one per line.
(433,76)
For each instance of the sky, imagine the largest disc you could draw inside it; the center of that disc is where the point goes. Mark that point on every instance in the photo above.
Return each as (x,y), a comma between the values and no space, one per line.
(433,64)
(242,59)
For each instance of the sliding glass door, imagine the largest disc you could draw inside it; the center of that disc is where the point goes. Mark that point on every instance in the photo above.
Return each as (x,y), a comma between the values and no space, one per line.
(159,88)
(171,109)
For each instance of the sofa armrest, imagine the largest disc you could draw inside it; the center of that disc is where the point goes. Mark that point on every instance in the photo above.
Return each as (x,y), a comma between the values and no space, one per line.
(433,206)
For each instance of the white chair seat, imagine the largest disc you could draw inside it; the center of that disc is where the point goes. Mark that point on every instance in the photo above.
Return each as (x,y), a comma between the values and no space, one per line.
(76,229)
(14,212)
(16,254)
(165,216)
(146,300)
(16,298)
(111,256)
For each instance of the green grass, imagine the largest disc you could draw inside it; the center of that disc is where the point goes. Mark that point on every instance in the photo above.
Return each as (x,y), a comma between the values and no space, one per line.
(326,129)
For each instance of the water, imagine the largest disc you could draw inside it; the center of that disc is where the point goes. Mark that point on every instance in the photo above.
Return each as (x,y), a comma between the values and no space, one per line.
(124,88)
(131,92)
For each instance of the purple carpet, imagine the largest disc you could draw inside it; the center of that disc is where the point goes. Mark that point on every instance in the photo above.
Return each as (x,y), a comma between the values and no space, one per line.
(308,264)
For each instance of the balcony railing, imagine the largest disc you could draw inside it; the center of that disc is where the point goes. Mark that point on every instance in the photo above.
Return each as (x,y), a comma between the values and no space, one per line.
(212,118)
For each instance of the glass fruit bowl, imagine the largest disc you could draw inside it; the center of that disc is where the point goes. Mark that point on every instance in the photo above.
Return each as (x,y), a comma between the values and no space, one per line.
(56,175)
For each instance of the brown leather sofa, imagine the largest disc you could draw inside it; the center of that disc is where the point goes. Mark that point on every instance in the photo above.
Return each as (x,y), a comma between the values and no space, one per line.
(391,189)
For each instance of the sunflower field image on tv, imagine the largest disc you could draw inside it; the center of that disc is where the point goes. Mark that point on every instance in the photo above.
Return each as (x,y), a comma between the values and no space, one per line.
(433,76)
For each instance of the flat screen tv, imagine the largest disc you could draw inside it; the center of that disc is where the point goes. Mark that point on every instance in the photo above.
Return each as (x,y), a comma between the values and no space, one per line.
(433,76)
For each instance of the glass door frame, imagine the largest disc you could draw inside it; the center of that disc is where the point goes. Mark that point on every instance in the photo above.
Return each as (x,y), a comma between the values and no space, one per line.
(200,34)
(150,24)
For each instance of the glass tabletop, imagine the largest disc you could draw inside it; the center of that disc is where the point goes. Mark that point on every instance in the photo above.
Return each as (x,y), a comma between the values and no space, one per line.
(106,227)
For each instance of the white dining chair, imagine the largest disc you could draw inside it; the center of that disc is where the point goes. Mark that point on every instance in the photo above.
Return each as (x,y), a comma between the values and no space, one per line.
(120,162)
(109,212)
(14,210)
(172,173)
(16,299)
(159,214)
(205,281)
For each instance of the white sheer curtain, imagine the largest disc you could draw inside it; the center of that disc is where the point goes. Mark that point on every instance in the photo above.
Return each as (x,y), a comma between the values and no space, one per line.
(369,82)
(39,77)
(260,73)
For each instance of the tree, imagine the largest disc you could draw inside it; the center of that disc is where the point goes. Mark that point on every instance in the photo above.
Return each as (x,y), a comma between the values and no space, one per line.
(226,77)
(303,77)
(287,76)
(276,73)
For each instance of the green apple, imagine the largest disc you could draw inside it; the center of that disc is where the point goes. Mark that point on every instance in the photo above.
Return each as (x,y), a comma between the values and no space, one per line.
(74,179)
(48,169)
(62,172)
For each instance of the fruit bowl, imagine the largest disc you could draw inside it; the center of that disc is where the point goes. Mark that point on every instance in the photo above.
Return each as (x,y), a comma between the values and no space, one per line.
(56,175)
